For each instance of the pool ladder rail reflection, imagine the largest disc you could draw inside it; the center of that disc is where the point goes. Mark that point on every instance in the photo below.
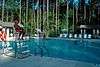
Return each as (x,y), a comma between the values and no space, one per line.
(22,49)
(41,49)
(8,50)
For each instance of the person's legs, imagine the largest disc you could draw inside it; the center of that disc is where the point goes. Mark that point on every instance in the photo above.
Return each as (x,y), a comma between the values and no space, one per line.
(19,35)
(22,34)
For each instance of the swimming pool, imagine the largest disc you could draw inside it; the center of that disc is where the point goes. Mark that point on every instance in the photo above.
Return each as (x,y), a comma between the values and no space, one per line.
(87,50)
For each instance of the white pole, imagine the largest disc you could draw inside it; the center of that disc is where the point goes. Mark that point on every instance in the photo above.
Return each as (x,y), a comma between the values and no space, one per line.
(3,10)
(8,32)
(93,31)
(84,31)
(97,31)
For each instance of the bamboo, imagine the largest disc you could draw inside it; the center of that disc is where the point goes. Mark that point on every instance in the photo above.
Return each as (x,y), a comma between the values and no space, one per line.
(31,23)
(84,12)
(7,16)
(3,10)
(26,15)
(67,17)
(76,15)
(44,16)
(53,13)
(20,12)
(73,18)
(40,17)
(34,15)
(90,17)
(98,15)
(47,17)
(37,16)
(12,16)
(56,15)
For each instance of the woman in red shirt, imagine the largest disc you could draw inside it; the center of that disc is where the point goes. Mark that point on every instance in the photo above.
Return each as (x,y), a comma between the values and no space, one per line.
(2,34)
(19,29)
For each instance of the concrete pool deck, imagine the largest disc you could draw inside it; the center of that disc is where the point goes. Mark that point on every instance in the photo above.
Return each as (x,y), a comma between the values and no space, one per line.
(37,61)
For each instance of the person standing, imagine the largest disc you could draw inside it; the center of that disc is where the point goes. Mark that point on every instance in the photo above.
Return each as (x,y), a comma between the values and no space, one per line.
(3,38)
(3,35)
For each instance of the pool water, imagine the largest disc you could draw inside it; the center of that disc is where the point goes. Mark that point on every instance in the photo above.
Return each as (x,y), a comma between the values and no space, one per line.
(85,50)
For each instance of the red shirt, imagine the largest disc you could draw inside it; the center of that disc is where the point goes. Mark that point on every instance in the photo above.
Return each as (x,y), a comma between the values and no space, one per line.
(17,28)
(3,36)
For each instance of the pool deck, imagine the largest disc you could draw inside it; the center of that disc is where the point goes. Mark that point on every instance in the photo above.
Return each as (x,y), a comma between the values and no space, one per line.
(37,61)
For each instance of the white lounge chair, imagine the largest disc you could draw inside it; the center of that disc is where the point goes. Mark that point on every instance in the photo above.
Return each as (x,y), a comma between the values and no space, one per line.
(80,35)
(70,35)
(89,36)
(63,35)
(75,36)
(85,36)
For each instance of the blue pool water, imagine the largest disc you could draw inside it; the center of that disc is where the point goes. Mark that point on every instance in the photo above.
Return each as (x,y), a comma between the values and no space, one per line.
(85,51)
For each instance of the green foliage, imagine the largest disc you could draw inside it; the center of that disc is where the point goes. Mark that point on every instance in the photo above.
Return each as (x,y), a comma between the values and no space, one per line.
(30,24)
(11,5)
(61,1)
